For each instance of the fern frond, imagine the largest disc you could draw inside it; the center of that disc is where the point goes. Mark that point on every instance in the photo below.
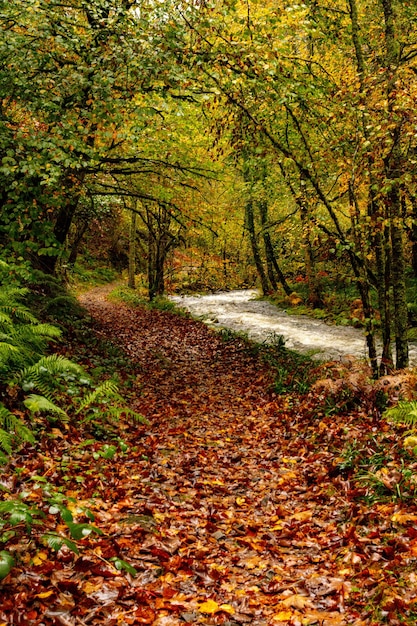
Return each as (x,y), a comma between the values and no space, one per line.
(404,413)
(6,441)
(46,331)
(7,350)
(5,320)
(117,411)
(9,293)
(54,365)
(13,430)
(106,391)
(43,376)
(40,404)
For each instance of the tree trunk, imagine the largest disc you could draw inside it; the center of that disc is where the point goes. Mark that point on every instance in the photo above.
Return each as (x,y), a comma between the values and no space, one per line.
(392,163)
(399,287)
(75,246)
(250,225)
(271,260)
(413,234)
(132,251)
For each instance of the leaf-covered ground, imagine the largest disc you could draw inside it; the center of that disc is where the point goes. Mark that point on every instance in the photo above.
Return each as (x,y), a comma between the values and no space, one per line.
(233,505)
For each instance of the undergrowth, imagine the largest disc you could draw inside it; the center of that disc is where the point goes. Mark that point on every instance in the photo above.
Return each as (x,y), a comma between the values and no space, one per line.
(42,391)
(293,372)
(137,298)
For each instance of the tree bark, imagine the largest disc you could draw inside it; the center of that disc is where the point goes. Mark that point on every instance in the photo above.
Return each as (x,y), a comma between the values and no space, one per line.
(250,225)
(132,251)
(271,259)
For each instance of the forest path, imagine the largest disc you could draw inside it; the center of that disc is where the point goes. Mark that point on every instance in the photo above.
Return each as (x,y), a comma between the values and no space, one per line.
(226,508)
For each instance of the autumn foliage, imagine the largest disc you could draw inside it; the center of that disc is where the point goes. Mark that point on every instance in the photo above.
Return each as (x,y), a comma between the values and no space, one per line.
(232,506)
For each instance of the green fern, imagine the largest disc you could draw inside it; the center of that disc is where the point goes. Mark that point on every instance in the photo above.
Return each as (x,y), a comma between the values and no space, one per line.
(404,413)
(40,404)
(106,391)
(43,375)
(13,431)
(116,412)
(6,441)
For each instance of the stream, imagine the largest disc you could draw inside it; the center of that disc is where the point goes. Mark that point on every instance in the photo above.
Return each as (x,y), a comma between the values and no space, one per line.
(262,321)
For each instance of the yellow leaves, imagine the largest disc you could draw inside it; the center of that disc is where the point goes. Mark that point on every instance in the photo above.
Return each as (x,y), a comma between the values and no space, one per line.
(282,616)
(410,442)
(302,516)
(254,562)
(39,558)
(403,518)
(227,608)
(44,594)
(89,587)
(240,501)
(296,601)
(210,607)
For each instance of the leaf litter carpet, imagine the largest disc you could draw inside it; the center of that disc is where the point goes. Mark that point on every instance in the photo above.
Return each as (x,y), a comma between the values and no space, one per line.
(223,503)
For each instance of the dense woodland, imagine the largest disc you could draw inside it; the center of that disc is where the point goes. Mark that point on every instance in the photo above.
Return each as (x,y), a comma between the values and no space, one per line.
(196,146)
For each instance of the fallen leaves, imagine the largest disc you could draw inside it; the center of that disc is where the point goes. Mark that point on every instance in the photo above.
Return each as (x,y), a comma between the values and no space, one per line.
(222,510)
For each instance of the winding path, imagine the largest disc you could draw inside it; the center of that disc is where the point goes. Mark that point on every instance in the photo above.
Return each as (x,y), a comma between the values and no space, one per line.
(243,531)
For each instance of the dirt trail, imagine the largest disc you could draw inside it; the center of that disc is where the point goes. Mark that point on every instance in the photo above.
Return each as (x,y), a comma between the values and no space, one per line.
(244,527)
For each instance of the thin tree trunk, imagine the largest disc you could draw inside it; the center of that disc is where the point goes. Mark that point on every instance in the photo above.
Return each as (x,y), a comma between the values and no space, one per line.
(399,289)
(380,243)
(132,251)
(393,197)
(250,225)
(75,247)
(271,259)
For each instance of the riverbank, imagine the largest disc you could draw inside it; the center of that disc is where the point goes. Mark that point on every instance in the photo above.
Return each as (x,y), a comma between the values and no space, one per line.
(241,311)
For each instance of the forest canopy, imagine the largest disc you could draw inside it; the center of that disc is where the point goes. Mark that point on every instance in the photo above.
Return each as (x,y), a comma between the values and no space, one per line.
(283,123)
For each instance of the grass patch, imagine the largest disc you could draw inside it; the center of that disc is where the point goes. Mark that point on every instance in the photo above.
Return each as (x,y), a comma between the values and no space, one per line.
(89,272)
(137,298)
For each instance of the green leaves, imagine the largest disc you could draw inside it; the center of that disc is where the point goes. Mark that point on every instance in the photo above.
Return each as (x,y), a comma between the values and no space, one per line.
(81,531)
(40,404)
(6,563)
(123,565)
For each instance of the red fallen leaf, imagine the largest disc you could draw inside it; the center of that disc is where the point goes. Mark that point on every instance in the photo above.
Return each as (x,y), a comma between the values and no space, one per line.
(168,592)
(31,615)
(144,616)
(71,586)
(83,565)
(102,570)
(161,554)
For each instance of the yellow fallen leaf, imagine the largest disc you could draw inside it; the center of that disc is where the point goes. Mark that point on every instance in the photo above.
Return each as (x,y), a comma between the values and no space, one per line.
(288,475)
(255,562)
(39,558)
(403,518)
(227,608)
(296,601)
(58,433)
(210,607)
(44,594)
(302,516)
(346,571)
(217,567)
(240,500)
(282,616)
(91,587)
